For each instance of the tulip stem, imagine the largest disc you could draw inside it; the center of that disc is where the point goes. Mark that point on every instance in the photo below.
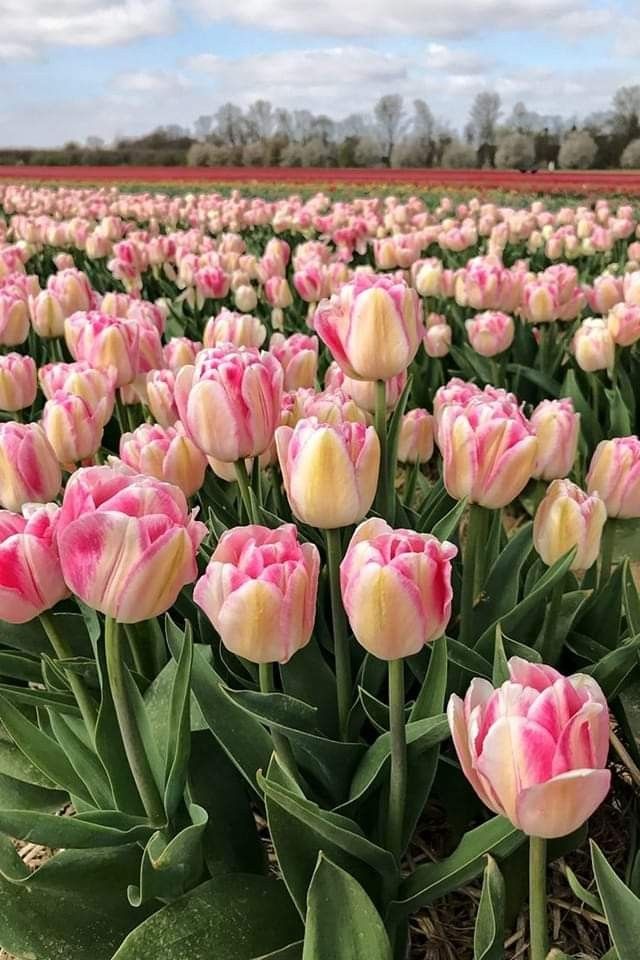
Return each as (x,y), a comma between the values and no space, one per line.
(245,492)
(129,730)
(538,934)
(341,648)
(281,745)
(606,555)
(84,699)
(383,504)
(398,775)
(474,544)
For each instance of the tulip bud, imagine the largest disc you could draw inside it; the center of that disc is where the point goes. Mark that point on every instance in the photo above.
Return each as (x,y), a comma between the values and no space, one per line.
(259,591)
(96,387)
(245,298)
(437,340)
(309,283)
(161,385)
(47,315)
(614,475)
(556,426)
(180,351)
(540,301)
(567,518)
(427,277)
(364,391)
(72,290)
(212,283)
(490,333)
(535,750)
(30,575)
(330,406)
(29,470)
(298,355)
(415,443)
(166,454)
(105,341)
(396,588)
(14,318)
(623,323)
(593,345)
(330,472)
(277,293)
(18,384)
(606,292)
(73,428)
(240,329)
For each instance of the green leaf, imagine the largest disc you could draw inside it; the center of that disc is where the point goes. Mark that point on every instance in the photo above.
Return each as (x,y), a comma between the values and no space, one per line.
(277,709)
(581,892)
(393,429)
(179,731)
(170,868)
(611,671)
(431,881)
(621,906)
(232,917)
(469,660)
(631,598)
(619,418)
(488,941)
(448,525)
(104,828)
(500,665)
(308,677)
(20,666)
(18,795)
(41,699)
(501,588)
(550,386)
(342,922)
(83,760)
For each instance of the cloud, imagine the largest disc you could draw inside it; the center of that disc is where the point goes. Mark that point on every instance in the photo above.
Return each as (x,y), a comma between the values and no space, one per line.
(455,60)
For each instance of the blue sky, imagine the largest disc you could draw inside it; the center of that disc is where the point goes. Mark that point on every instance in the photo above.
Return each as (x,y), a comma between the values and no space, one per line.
(120,67)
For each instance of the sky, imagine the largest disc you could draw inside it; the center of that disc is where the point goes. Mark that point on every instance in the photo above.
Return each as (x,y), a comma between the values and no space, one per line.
(70,69)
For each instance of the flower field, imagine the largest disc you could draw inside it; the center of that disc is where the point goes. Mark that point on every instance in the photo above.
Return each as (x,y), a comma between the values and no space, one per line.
(319,543)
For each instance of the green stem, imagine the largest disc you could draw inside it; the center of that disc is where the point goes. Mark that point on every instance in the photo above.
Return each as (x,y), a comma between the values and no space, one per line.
(243,483)
(411,480)
(538,934)
(281,744)
(63,652)
(384,481)
(341,648)
(131,738)
(606,551)
(473,546)
(398,775)
(549,645)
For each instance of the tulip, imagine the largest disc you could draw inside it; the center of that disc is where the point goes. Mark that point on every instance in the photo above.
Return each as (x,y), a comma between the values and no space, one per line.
(29,469)
(606,292)
(18,383)
(373,327)
(566,518)
(211,283)
(614,475)
(330,472)
(96,387)
(72,290)
(31,578)
(229,401)
(166,454)
(623,323)
(330,406)
(556,426)
(161,385)
(73,428)
(259,591)
(127,543)
(47,314)
(310,283)
(594,346)
(14,318)
(488,453)
(180,351)
(540,301)
(240,329)
(535,749)
(427,277)
(245,298)
(490,333)
(277,293)
(364,391)
(298,355)
(437,340)
(415,443)
(104,341)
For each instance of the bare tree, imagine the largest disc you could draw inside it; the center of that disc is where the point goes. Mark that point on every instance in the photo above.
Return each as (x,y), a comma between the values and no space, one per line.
(95,143)
(230,124)
(260,120)
(389,114)
(483,116)
(302,125)
(626,109)
(202,126)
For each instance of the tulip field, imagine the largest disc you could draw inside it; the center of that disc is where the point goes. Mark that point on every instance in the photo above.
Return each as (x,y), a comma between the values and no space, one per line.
(319,577)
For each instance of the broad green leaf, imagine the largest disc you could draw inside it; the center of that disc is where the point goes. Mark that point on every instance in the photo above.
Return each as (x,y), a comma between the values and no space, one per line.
(631,601)
(500,665)
(621,906)
(308,677)
(611,671)
(170,868)
(448,525)
(179,731)
(342,922)
(469,660)
(105,828)
(18,795)
(84,761)
(488,941)
(586,896)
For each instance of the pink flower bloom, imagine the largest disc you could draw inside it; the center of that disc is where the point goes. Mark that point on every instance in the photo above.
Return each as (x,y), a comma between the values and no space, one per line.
(535,749)
(160,391)
(623,323)
(415,443)
(30,575)
(105,342)
(29,469)
(557,426)
(180,351)
(364,391)
(240,329)
(259,591)
(396,588)
(593,345)
(166,454)
(566,518)
(18,383)
(614,474)
(95,386)
(437,339)
(298,355)
(73,427)
(490,333)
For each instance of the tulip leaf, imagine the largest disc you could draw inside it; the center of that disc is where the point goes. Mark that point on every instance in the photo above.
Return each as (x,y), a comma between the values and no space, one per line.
(179,729)
(621,906)
(277,709)
(488,941)
(586,896)
(501,588)
(169,869)
(20,666)
(600,617)
(300,829)
(342,922)
(19,795)
(393,429)
(447,526)
(84,761)
(41,699)
(468,659)
(619,415)
(588,419)
(500,665)
(612,670)
(631,599)
(430,881)
(231,917)
(550,386)
(437,505)
(104,828)
(308,677)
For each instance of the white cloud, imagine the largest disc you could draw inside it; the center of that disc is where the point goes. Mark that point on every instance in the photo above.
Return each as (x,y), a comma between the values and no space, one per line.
(455,60)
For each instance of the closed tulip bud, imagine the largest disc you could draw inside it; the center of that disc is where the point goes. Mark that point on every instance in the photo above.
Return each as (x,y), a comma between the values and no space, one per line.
(180,351)
(593,345)
(72,290)
(437,340)
(310,283)
(331,406)
(607,290)
(96,387)
(540,301)
(73,428)
(212,283)
(556,426)
(18,383)
(245,298)
(240,329)
(631,287)
(14,318)
(105,342)
(567,517)
(259,591)
(396,588)
(488,453)
(277,293)
(330,472)
(490,333)
(614,475)
(229,401)
(298,355)
(29,469)
(384,253)
(128,543)
(161,385)
(47,315)
(373,327)
(364,391)
(31,578)
(623,323)
(427,277)
(166,454)
(415,443)
(535,749)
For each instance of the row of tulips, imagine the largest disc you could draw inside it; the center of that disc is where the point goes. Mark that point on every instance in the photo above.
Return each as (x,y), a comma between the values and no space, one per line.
(221,594)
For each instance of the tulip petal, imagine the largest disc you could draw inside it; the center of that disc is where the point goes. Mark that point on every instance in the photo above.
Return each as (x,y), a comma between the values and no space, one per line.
(561,805)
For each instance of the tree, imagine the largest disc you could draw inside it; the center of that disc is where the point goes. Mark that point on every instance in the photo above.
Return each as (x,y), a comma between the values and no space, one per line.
(483,117)
(230,125)
(626,110)
(302,125)
(368,152)
(259,120)
(631,155)
(422,142)
(515,151)
(95,143)
(458,154)
(389,114)
(577,150)
(202,126)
